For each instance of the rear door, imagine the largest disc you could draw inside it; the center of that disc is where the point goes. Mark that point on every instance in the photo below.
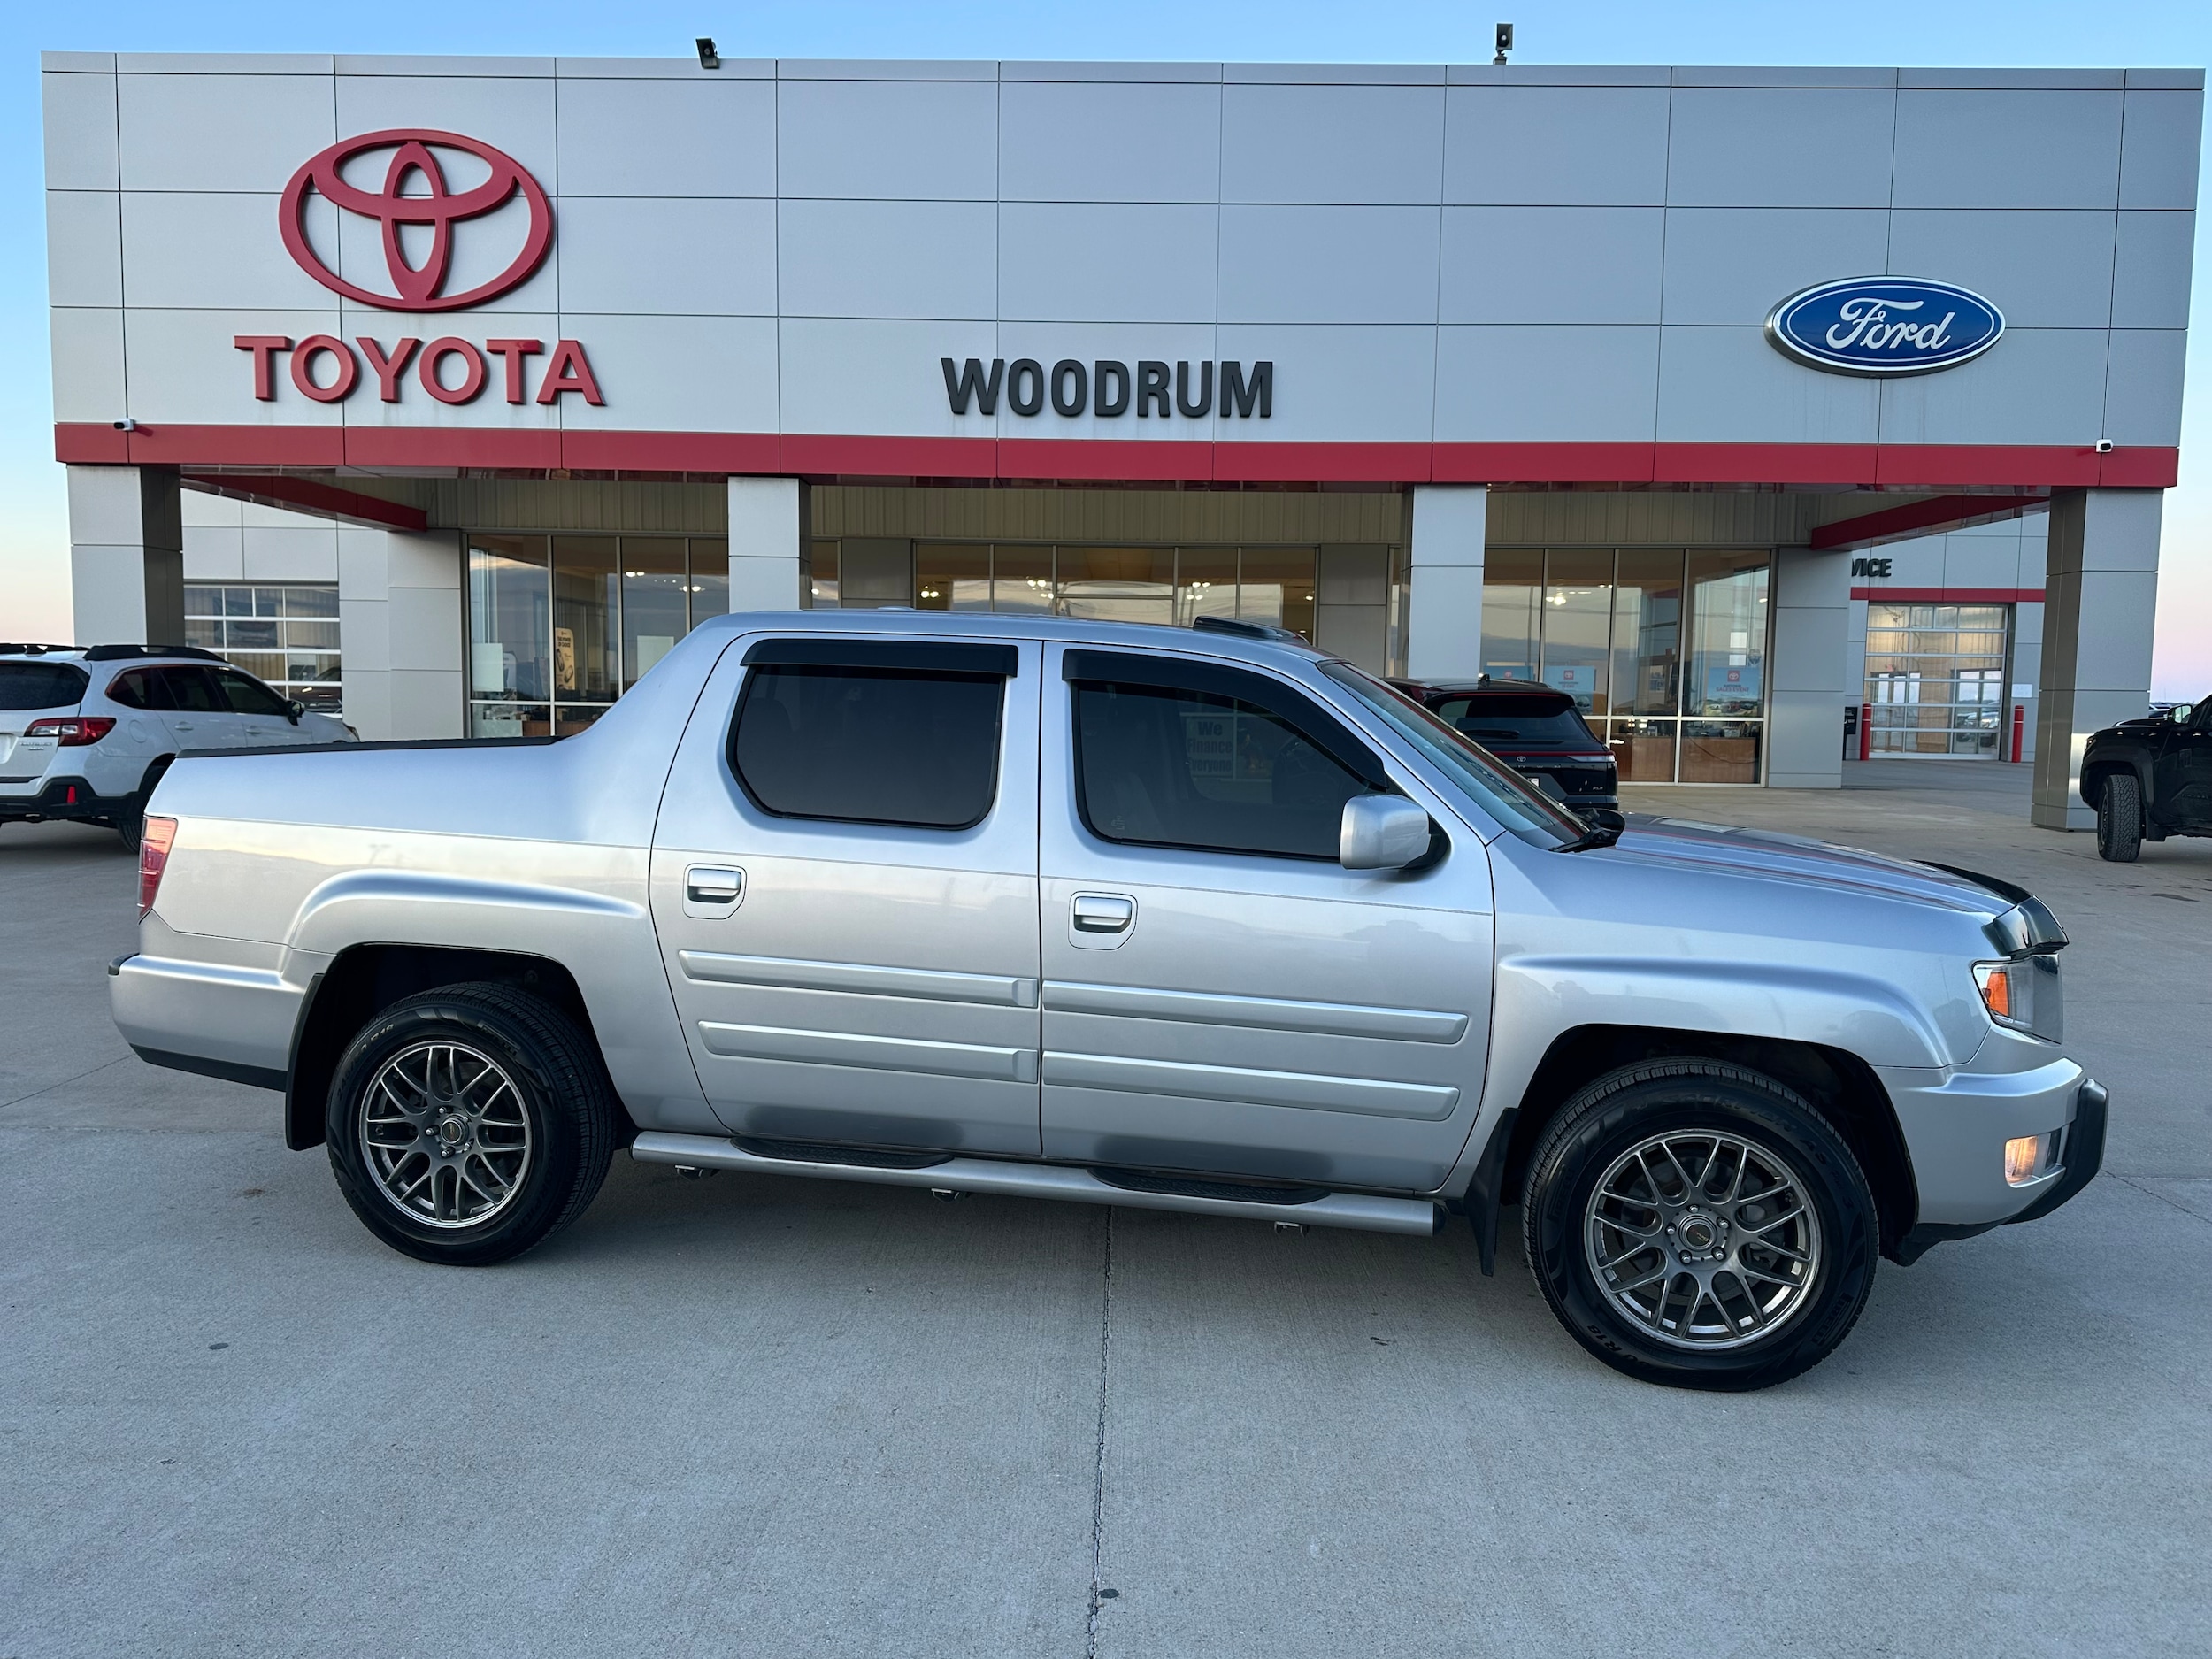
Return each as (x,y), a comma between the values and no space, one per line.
(845,883)
(265,718)
(198,714)
(1220,995)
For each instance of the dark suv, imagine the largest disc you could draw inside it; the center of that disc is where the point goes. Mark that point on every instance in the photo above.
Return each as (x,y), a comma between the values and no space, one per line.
(2150,779)
(1537,731)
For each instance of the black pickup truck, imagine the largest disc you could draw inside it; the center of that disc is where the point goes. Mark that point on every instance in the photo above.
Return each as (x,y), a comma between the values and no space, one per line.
(2150,779)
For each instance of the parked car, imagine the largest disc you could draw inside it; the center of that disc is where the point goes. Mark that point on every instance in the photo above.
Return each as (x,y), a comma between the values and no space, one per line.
(1534,729)
(2150,779)
(1172,919)
(85,734)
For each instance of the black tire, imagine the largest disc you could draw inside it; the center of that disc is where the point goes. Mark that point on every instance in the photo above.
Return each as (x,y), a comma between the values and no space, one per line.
(1611,1117)
(130,823)
(559,1088)
(2120,819)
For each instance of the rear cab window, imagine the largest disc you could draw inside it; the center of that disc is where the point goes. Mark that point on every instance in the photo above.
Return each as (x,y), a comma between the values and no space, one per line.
(867,732)
(41,685)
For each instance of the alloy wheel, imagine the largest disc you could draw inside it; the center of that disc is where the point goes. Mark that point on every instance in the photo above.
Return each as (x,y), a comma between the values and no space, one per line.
(445,1134)
(1704,1240)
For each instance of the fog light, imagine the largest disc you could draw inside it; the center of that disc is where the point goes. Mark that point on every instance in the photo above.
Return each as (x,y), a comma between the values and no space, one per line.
(2029,1157)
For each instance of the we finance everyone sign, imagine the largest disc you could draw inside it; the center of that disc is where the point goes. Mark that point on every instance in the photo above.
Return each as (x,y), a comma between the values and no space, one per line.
(1884,326)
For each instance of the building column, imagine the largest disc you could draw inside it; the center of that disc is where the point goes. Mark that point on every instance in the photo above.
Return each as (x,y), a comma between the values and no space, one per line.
(768,533)
(127,555)
(1444,600)
(2100,601)
(1807,672)
(399,629)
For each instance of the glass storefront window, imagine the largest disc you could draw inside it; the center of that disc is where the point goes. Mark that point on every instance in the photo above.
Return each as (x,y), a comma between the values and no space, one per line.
(1116,584)
(511,640)
(952,576)
(709,584)
(586,659)
(1678,698)
(1512,594)
(1935,675)
(1578,613)
(1276,585)
(655,603)
(1205,583)
(822,575)
(1021,579)
(285,633)
(1646,631)
(1643,749)
(1728,634)
(560,626)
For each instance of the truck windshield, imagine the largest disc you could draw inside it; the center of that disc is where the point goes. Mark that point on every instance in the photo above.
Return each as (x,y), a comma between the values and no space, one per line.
(1495,787)
(41,685)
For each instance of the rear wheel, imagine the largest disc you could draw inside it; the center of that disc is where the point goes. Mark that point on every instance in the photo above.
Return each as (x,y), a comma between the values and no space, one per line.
(1699,1224)
(2120,819)
(469,1123)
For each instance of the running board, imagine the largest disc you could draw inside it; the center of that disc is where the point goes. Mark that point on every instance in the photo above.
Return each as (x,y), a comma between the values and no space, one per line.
(1358,1210)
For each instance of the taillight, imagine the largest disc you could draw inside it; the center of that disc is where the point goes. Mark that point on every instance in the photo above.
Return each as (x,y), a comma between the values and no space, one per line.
(153,858)
(72,731)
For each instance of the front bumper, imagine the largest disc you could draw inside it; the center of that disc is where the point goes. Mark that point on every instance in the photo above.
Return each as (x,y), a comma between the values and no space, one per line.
(67,798)
(2081,1156)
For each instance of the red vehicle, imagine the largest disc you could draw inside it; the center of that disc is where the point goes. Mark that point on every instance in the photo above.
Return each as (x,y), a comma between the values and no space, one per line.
(1537,731)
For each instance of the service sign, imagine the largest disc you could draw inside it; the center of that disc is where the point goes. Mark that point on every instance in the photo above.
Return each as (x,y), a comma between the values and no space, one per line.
(1884,326)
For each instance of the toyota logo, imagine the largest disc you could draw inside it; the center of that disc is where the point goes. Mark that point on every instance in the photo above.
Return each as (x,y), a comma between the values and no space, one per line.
(416,193)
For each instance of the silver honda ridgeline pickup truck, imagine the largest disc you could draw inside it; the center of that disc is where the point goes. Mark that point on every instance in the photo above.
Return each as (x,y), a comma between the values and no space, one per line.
(1199,920)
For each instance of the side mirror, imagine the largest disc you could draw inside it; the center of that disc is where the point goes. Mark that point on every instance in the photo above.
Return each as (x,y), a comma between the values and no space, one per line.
(1382,832)
(2180,712)
(1605,818)
(294,710)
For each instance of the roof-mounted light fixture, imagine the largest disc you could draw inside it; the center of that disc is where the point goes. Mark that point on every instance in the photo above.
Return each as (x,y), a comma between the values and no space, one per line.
(709,58)
(1505,42)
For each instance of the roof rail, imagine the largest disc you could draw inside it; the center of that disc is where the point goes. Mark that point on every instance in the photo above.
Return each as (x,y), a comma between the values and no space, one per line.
(10,649)
(119,653)
(1248,630)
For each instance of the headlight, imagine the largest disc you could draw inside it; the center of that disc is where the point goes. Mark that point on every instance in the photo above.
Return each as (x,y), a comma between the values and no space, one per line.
(2023,995)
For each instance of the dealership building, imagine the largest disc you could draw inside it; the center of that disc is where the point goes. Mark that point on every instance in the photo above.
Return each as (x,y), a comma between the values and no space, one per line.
(454,391)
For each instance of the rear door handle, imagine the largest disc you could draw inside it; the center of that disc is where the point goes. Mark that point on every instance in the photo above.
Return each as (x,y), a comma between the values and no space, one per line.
(1103,913)
(712,889)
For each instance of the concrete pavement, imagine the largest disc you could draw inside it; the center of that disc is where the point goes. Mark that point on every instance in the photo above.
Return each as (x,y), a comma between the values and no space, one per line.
(771,1417)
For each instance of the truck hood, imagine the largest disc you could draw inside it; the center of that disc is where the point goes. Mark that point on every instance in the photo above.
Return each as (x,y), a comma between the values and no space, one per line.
(1685,842)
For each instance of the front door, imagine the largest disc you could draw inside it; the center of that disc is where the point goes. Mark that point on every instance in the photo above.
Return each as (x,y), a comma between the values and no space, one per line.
(1220,995)
(844,879)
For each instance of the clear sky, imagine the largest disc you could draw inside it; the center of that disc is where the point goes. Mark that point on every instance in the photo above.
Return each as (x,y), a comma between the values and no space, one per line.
(34,542)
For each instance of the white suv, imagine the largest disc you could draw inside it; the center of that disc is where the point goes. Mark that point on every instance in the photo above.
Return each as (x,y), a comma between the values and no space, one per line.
(85,733)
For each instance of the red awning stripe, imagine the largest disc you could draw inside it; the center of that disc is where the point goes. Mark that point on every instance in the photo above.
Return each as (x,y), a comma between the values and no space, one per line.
(1901,466)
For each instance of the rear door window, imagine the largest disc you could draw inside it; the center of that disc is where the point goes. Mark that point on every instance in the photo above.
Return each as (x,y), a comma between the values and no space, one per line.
(41,685)
(1199,765)
(192,691)
(893,742)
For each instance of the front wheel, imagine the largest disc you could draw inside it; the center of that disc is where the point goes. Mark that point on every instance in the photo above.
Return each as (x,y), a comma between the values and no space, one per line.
(1699,1224)
(2120,819)
(469,1123)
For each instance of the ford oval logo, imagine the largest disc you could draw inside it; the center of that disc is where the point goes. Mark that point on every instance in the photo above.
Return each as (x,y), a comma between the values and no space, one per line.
(1884,326)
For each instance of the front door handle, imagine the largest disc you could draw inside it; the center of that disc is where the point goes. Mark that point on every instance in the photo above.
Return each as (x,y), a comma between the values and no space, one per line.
(1103,913)
(712,889)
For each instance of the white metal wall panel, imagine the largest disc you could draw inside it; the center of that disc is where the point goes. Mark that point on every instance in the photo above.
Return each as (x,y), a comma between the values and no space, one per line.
(1472,254)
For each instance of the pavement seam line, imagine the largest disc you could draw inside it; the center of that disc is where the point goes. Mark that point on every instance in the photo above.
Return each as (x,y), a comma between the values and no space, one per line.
(65,1082)
(1098,1459)
(2129,1180)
